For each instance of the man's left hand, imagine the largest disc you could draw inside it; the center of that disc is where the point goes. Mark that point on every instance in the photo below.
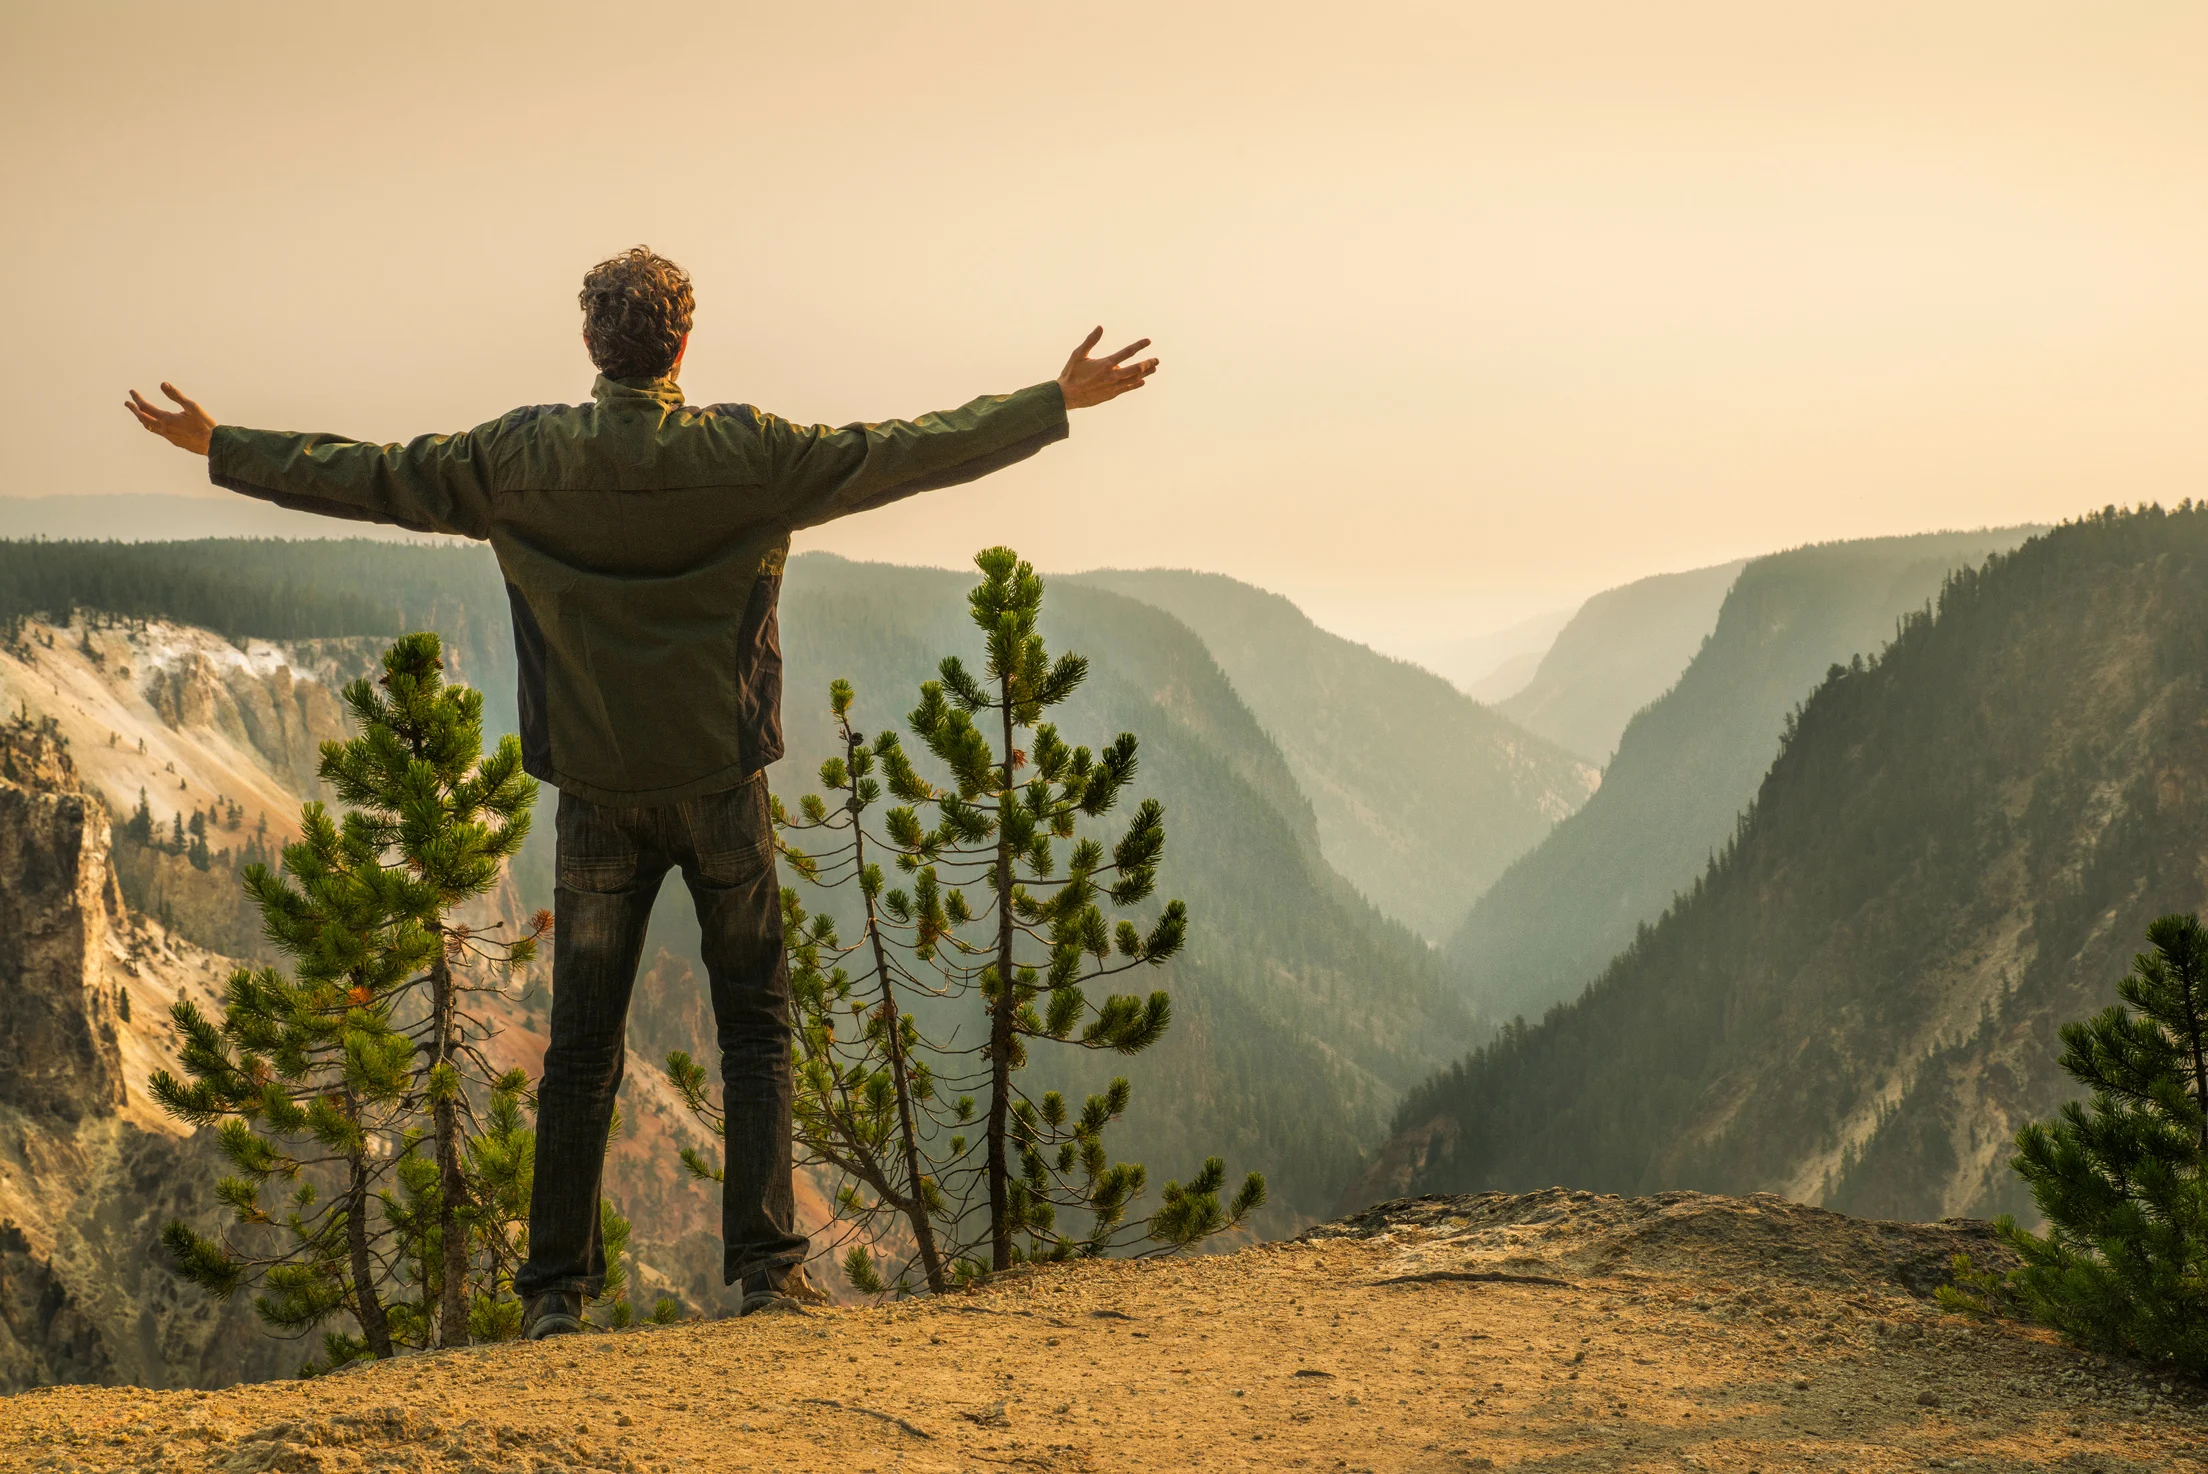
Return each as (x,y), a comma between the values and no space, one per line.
(188,427)
(1086,381)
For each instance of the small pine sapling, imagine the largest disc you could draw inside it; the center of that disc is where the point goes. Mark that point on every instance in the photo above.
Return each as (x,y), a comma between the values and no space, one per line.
(323,1086)
(447,818)
(997,824)
(883,1106)
(2121,1176)
(864,1095)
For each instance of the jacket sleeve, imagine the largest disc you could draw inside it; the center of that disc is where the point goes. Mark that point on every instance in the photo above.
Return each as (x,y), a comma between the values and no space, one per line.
(435,483)
(818,474)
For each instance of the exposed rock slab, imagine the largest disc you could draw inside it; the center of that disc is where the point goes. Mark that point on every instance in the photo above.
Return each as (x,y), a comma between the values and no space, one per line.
(58,1007)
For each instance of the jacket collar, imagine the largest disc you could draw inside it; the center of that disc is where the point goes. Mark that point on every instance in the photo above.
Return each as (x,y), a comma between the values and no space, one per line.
(661,391)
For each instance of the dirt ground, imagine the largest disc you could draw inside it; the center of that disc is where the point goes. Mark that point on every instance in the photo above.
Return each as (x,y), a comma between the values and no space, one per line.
(1550,1331)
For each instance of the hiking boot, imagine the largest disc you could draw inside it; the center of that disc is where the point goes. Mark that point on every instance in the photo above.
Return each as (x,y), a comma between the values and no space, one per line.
(780,1288)
(552,1313)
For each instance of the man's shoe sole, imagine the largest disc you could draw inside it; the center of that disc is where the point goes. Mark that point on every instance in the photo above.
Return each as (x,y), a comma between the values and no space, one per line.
(554,1325)
(770,1302)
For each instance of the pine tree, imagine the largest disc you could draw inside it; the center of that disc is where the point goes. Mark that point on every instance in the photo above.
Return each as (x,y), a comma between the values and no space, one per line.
(862,1100)
(2122,1176)
(449,818)
(324,1080)
(1010,804)
(864,1115)
(257,849)
(870,1106)
(139,827)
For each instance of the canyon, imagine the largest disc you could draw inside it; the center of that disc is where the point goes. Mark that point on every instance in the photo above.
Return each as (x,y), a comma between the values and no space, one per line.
(90,1167)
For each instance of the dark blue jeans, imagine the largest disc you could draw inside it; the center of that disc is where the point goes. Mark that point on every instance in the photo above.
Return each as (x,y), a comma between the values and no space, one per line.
(611,863)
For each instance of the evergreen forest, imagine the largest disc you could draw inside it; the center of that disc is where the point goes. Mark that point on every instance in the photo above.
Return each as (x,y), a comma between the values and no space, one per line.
(1957,847)
(276,589)
(1302,1011)
(1688,762)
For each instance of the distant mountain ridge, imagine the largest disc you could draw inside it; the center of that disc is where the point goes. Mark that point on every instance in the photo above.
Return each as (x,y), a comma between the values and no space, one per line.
(1621,650)
(1488,667)
(158,517)
(1422,795)
(1689,762)
(1957,850)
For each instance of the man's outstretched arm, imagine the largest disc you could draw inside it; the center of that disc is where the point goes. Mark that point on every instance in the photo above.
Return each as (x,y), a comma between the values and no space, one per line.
(435,483)
(824,474)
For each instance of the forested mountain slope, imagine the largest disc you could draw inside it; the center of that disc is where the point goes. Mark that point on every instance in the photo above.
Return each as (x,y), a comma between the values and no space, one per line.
(1690,762)
(1620,651)
(1422,795)
(1302,1012)
(246,588)
(1956,851)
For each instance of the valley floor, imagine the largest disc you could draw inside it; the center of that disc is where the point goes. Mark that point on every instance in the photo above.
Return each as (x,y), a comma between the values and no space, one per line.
(1552,1331)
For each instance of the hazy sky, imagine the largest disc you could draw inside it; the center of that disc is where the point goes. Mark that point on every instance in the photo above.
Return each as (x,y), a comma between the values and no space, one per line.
(1466,310)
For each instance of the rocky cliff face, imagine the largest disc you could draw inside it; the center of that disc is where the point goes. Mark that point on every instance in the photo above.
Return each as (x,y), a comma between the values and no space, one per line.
(58,1007)
(187,718)
(272,710)
(197,725)
(88,1171)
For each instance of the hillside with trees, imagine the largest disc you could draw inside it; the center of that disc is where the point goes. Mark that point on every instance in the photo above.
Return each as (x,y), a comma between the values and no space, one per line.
(1956,851)
(1302,1012)
(280,590)
(151,516)
(1422,795)
(1621,650)
(1688,763)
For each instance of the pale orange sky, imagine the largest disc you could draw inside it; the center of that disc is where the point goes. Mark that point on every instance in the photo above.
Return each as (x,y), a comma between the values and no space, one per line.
(1466,311)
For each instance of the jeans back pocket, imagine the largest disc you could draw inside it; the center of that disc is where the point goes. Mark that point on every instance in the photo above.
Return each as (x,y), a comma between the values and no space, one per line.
(731,835)
(596,851)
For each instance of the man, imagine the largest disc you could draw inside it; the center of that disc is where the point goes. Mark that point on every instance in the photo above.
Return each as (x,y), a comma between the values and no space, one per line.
(642,542)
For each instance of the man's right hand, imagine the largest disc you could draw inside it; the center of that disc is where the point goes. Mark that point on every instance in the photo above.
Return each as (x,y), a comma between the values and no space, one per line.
(188,427)
(1086,381)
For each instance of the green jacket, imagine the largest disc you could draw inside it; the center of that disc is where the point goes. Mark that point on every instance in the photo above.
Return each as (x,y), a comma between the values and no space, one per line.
(642,542)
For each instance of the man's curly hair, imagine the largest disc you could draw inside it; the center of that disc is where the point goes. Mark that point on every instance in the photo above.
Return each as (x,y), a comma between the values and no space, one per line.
(636,307)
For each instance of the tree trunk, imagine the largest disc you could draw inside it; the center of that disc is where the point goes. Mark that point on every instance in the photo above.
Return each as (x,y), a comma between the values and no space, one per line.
(916,1202)
(375,1328)
(916,1211)
(1002,1010)
(452,1183)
